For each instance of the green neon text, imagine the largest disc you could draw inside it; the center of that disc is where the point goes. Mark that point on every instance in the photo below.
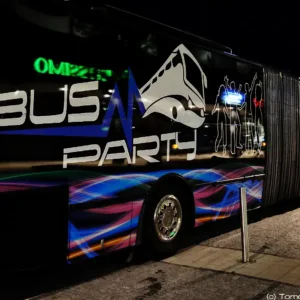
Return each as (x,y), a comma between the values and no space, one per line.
(48,66)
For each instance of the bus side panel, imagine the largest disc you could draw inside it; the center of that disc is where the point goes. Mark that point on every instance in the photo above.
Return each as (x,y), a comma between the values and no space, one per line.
(113,120)
(215,202)
(104,214)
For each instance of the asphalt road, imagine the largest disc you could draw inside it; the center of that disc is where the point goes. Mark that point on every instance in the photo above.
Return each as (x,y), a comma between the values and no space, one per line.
(157,280)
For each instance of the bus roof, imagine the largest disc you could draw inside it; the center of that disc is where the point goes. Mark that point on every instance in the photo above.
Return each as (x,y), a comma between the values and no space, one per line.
(202,40)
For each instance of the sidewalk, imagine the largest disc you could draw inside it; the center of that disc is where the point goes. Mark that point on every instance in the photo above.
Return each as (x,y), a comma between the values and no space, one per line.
(263,266)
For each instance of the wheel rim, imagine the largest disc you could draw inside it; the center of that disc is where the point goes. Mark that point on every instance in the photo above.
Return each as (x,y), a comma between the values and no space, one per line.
(168,218)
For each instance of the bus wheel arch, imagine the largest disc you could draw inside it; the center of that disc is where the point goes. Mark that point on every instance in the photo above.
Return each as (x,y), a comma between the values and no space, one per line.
(172,188)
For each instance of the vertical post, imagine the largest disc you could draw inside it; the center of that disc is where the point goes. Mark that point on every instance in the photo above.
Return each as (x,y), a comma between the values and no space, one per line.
(244,227)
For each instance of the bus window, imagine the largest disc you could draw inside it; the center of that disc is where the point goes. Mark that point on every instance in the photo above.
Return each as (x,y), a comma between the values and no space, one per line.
(193,74)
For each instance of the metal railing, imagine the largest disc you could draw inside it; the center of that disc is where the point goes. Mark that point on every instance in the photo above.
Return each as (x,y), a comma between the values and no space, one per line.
(239,179)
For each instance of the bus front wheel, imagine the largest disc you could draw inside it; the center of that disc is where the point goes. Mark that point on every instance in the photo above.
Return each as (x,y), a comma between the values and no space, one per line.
(166,224)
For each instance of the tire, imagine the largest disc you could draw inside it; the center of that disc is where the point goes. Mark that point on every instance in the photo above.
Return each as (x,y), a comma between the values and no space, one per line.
(156,242)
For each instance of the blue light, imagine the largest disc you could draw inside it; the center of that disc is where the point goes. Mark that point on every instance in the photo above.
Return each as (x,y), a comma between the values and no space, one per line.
(232,98)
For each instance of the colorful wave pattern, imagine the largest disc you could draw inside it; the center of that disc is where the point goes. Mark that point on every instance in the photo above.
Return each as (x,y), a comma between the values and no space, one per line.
(105,209)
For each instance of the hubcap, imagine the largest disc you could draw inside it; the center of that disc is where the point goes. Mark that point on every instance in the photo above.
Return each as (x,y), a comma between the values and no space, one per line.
(168,218)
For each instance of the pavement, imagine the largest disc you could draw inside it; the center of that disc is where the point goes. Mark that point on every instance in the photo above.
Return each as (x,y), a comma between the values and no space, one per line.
(277,234)
(264,266)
